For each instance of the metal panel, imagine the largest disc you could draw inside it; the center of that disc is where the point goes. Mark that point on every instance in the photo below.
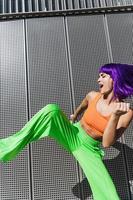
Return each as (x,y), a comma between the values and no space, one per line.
(43,5)
(121,36)
(29,7)
(55,177)
(120,30)
(50,5)
(16,6)
(11,6)
(109,3)
(89,4)
(76,4)
(69,4)
(95,3)
(87,40)
(57,7)
(14,180)
(103,3)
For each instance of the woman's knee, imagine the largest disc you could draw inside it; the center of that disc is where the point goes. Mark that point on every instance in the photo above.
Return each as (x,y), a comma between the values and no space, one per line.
(52,107)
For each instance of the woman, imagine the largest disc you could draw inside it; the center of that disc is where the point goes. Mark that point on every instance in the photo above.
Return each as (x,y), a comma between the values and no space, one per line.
(105,119)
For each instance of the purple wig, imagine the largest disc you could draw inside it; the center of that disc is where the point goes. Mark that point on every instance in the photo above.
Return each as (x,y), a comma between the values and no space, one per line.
(122,75)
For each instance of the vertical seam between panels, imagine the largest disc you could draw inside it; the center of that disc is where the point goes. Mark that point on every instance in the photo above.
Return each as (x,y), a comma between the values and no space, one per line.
(30,164)
(71,89)
(107,37)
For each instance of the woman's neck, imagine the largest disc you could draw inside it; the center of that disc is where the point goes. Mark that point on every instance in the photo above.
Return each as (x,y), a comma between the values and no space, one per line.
(108,98)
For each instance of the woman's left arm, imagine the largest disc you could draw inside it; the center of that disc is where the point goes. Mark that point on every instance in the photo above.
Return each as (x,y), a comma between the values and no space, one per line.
(117,124)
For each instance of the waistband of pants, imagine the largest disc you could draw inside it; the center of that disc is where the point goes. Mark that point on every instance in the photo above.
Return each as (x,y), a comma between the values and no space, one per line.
(85,136)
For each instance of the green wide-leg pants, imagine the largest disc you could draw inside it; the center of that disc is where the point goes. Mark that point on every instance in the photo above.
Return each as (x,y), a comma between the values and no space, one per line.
(51,121)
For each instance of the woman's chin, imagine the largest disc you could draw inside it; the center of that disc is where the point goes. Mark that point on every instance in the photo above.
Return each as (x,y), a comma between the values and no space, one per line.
(103,91)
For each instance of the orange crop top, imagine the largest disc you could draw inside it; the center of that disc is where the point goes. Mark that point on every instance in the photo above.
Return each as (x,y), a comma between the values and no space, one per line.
(93,119)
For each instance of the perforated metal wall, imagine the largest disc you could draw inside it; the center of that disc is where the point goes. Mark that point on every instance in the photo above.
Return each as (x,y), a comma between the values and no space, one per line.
(38,59)
(14,179)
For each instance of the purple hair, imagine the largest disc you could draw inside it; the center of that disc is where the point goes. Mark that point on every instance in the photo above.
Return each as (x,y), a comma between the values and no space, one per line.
(122,75)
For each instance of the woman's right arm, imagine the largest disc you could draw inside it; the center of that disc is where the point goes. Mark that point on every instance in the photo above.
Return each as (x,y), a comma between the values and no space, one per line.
(83,105)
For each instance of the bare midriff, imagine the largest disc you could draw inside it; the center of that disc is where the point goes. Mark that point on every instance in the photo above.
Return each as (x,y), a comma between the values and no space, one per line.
(90,132)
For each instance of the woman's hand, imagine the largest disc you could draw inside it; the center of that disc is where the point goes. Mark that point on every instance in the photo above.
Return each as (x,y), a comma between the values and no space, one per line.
(73,117)
(121,108)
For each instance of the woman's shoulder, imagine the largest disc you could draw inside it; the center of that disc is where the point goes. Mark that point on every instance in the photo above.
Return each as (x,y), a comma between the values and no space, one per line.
(91,95)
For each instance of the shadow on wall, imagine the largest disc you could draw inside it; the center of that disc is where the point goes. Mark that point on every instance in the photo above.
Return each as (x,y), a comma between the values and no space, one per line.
(111,166)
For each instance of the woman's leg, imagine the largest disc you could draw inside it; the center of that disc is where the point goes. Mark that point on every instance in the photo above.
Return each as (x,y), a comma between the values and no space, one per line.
(49,121)
(90,160)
